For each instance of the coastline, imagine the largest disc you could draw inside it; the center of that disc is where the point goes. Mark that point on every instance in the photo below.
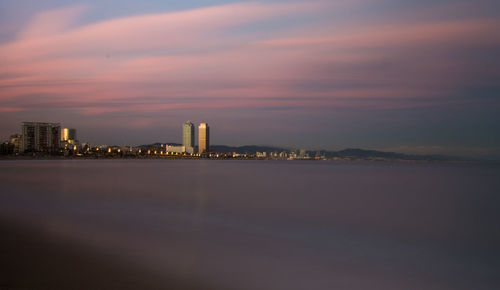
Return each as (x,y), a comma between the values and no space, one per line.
(345,159)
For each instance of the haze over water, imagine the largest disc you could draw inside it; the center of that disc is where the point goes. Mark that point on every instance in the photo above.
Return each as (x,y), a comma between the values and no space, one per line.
(270,224)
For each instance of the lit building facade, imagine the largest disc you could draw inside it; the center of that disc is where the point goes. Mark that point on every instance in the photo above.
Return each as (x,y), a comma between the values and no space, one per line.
(68,134)
(178,149)
(40,137)
(203,138)
(188,134)
(175,149)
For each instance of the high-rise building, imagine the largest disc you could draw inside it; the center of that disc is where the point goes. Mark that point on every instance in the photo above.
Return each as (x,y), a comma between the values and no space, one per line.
(203,138)
(188,134)
(68,134)
(40,137)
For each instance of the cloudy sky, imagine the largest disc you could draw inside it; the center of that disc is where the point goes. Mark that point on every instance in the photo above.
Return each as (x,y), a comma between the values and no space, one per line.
(408,76)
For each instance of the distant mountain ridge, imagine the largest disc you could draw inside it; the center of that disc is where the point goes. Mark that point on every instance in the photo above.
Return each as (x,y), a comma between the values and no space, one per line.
(345,153)
(354,153)
(362,153)
(246,149)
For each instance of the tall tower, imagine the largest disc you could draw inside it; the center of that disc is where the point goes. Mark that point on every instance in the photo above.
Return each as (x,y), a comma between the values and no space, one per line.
(203,138)
(188,134)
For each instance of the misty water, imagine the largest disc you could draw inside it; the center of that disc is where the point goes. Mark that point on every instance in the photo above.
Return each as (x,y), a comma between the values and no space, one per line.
(271,224)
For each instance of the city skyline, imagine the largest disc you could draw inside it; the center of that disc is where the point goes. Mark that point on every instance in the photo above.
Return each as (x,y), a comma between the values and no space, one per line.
(404,76)
(39,136)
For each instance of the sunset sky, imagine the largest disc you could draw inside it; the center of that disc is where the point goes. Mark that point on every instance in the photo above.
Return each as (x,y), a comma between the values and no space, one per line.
(398,75)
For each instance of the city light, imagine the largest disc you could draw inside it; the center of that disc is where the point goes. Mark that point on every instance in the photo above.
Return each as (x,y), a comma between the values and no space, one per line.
(186,150)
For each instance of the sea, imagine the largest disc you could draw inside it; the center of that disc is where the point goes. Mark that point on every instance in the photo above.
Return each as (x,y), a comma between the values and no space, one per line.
(264,224)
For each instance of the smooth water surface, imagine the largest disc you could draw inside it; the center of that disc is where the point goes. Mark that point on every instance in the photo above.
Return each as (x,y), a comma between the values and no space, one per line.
(271,224)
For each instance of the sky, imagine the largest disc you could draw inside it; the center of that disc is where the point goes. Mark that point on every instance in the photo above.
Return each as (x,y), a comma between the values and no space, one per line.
(395,75)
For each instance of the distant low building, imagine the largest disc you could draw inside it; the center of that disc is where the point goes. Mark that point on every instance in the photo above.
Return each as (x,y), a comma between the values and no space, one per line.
(6,148)
(176,149)
(261,154)
(17,141)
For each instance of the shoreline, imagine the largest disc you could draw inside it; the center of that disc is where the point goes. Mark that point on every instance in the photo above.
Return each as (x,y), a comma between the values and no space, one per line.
(345,159)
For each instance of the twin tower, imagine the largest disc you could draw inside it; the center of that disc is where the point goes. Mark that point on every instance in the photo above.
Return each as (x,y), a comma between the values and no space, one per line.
(203,136)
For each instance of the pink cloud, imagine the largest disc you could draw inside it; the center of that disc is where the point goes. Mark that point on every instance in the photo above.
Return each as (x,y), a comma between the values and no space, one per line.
(397,34)
(141,33)
(10,109)
(190,59)
(53,22)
